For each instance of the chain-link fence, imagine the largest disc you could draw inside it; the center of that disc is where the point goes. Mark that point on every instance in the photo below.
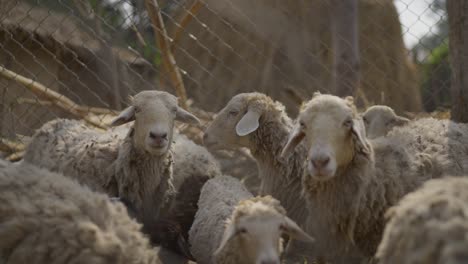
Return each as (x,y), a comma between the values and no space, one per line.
(83,58)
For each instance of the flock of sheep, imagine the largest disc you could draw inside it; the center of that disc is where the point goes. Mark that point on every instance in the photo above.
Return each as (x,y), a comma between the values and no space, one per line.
(337,186)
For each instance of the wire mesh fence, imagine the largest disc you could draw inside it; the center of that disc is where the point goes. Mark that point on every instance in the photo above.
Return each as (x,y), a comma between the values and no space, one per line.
(82,59)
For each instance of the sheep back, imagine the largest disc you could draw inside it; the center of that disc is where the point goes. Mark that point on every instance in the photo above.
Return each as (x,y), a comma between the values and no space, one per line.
(48,218)
(77,151)
(429,225)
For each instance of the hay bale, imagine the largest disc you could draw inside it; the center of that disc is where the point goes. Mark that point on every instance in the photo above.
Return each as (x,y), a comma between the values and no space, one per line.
(283,49)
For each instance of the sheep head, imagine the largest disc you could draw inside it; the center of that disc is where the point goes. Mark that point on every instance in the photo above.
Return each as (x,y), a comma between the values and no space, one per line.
(334,135)
(380,119)
(154,113)
(241,117)
(258,224)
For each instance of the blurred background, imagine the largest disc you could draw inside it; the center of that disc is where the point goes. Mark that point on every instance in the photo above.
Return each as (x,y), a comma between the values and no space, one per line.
(83,58)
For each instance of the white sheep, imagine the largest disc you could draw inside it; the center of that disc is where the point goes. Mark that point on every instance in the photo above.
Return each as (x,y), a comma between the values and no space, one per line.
(380,119)
(428,226)
(137,166)
(350,182)
(255,121)
(48,218)
(231,226)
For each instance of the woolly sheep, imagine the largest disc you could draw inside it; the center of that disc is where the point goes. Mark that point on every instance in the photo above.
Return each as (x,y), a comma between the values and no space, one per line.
(350,182)
(231,226)
(380,119)
(48,218)
(193,166)
(137,166)
(428,226)
(255,121)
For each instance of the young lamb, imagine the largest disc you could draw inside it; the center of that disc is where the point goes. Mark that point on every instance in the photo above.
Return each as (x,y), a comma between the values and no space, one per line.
(380,119)
(255,121)
(48,218)
(350,182)
(428,226)
(137,167)
(231,226)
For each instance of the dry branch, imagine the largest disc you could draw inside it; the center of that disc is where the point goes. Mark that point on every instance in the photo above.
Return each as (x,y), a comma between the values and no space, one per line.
(81,108)
(57,99)
(184,21)
(163,43)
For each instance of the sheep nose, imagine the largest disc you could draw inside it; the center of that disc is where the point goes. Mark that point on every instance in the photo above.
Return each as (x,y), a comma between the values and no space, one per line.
(205,137)
(154,135)
(320,162)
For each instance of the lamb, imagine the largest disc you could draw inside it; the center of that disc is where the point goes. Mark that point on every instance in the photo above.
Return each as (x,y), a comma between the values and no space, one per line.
(137,167)
(255,121)
(48,218)
(350,181)
(380,119)
(428,226)
(232,226)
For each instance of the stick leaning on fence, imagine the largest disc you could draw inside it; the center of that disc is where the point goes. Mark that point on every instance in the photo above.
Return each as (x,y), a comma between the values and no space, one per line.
(55,98)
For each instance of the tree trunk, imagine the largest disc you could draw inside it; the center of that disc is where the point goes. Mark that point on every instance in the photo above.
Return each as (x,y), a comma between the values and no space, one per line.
(458,44)
(346,49)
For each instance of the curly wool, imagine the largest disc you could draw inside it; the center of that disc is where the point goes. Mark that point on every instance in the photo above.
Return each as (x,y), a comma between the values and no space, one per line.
(428,226)
(48,218)
(78,151)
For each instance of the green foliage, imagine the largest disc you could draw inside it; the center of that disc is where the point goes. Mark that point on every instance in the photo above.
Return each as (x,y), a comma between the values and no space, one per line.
(432,56)
(436,78)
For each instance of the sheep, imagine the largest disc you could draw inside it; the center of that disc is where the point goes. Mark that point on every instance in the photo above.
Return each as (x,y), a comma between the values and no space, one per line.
(350,181)
(428,226)
(48,218)
(380,119)
(255,121)
(193,166)
(137,166)
(232,226)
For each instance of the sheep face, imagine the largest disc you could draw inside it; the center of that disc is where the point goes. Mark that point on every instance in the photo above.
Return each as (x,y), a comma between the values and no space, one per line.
(333,134)
(154,113)
(258,225)
(238,119)
(380,119)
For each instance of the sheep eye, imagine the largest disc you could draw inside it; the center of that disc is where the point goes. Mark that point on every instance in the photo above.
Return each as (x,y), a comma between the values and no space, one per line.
(241,231)
(348,123)
(137,109)
(302,124)
(365,120)
(233,112)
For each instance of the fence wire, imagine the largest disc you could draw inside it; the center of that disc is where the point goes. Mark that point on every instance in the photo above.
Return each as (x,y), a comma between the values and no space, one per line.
(83,59)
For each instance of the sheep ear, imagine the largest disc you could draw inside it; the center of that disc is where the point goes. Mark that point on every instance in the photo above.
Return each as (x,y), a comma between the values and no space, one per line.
(359,136)
(294,231)
(229,233)
(401,121)
(248,123)
(127,115)
(186,117)
(295,137)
